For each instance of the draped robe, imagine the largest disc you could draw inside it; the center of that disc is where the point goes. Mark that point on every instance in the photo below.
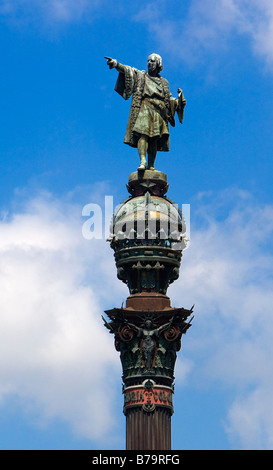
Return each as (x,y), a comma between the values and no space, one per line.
(152,107)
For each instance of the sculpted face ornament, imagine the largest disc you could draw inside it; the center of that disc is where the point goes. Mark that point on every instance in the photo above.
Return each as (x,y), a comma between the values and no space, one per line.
(153,108)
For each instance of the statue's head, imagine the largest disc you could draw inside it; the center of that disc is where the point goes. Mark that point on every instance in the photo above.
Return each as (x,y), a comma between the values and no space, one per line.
(155,63)
(148,324)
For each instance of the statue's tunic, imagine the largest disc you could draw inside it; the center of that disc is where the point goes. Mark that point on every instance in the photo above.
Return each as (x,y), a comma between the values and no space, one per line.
(152,108)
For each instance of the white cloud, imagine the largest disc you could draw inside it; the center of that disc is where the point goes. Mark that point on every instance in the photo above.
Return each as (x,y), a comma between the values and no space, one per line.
(210,26)
(55,353)
(252,418)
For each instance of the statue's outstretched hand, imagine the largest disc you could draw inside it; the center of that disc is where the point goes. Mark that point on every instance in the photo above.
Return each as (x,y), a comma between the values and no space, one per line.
(111,62)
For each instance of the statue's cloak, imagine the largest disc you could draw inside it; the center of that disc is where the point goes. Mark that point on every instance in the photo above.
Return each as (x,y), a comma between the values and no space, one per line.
(131,82)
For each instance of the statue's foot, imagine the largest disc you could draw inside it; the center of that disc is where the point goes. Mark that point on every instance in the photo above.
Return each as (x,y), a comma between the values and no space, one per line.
(151,168)
(142,166)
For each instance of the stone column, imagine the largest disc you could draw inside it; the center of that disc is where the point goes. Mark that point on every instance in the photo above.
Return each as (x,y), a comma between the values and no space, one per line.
(148,237)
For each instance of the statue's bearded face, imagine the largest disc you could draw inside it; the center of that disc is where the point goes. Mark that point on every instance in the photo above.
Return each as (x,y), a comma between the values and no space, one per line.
(152,63)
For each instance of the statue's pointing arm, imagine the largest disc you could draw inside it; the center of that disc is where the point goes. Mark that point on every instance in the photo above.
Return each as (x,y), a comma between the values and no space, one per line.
(114,64)
(126,79)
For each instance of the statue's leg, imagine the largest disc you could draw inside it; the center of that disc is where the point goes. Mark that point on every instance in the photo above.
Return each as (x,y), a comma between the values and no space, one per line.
(152,151)
(142,146)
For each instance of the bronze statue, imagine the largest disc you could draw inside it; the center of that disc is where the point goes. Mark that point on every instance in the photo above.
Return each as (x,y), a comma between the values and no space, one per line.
(149,334)
(152,108)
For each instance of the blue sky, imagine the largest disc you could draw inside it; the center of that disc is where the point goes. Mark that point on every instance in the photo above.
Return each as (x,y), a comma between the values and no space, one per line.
(62,129)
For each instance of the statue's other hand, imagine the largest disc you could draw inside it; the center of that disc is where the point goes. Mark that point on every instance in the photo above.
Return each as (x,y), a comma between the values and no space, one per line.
(180,95)
(111,62)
